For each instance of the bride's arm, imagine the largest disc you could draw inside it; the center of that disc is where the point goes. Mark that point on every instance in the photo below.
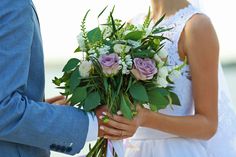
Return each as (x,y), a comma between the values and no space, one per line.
(202,49)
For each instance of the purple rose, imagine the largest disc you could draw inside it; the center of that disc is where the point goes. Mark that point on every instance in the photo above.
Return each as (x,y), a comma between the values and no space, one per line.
(109,63)
(144,69)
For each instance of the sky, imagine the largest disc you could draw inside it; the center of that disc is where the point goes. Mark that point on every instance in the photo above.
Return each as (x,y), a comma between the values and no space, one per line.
(60,23)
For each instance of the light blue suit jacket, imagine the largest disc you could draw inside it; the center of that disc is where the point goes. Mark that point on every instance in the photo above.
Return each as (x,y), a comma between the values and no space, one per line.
(28,126)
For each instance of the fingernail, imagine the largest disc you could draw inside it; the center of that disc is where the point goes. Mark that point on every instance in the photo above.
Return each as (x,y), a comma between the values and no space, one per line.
(101,127)
(119,113)
(101,117)
(104,113)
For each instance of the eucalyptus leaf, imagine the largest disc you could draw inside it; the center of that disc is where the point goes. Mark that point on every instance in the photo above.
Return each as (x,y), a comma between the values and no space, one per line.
(94,35)
(74,80)
(156,98)
(138,92)
(125,107)
(71,64)
(175,99)
(135,35)
(79,95)
(92,101)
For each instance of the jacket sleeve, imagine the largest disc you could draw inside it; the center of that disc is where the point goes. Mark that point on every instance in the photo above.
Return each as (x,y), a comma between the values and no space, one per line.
(22,120)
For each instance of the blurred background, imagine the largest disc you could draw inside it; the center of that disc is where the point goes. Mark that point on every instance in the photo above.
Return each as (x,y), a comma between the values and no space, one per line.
(60,24)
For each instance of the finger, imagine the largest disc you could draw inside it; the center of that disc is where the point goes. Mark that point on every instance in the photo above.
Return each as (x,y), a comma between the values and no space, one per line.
(117,125)
(54,99)
(115,137)
(110,131)
(121,119)
(117,118)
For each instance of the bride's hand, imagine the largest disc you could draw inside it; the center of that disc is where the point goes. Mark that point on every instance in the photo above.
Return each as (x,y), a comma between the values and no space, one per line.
(58,100)
(118,127)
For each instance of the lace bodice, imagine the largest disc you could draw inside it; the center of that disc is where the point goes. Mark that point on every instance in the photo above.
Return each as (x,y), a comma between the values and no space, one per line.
(224,142)
(183,87)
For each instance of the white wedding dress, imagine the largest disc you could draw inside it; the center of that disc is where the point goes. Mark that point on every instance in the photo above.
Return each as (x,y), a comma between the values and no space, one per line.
(153,143)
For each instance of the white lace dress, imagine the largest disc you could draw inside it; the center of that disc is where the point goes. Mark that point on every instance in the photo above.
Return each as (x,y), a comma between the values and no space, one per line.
(153,143)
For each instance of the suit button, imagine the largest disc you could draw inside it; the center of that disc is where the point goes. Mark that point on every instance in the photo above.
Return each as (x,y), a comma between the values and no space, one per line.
(58,148)
(68,149)
(53,147)
(63,149)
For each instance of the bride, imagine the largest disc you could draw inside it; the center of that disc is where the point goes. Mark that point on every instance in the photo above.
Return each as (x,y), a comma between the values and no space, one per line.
(203,125)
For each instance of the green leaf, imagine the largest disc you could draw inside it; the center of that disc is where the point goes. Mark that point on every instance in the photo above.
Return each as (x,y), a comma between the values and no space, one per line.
(74,80)
(105,83)
(159,21)
(77,50)
(94,35)
(79,95)
(57,81)
(135,35)
(71,64)
(102,11)
(175,99)
(125,107)
(92,101)
(157,99)
(139,92)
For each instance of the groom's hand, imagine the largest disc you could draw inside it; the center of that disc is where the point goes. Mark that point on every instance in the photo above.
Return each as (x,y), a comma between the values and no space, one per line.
(58,100)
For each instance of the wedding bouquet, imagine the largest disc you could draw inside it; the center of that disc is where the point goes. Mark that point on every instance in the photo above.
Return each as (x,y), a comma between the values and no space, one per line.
(122,65)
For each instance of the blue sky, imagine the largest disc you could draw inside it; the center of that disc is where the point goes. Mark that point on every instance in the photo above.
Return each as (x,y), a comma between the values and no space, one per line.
(60,22)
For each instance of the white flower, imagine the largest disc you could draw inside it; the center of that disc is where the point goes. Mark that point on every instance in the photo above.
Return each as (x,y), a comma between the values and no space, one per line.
(163,72)
(174,75)
(104,50)
(127,32)
(139,27)
(148,30)
(118,48)
(157,58)
(163,54)
(85,68)
(91,51)
(81,42)
(107,31)
(135,44)
(162,82)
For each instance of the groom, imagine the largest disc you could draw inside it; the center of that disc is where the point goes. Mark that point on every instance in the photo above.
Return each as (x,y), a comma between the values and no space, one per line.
(30,127)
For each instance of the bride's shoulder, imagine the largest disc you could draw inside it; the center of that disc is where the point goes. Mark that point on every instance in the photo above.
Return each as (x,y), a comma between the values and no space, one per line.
(199,24)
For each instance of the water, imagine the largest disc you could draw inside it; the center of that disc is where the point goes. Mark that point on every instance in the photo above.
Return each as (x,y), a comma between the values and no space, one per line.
(51,72)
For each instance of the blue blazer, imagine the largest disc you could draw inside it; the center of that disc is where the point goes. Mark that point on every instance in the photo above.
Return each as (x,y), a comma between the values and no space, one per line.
(30,127)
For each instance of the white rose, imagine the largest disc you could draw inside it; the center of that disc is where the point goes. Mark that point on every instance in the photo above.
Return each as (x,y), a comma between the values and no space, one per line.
(174,75)
(162,82)
(118,48)
(163,72)
(163,54)
(81,42)
(85,68)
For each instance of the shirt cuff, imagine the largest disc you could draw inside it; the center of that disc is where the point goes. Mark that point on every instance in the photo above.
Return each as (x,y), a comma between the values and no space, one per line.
(93,127)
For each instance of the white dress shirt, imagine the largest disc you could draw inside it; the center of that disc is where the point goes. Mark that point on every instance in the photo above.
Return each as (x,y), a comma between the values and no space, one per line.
(93,127)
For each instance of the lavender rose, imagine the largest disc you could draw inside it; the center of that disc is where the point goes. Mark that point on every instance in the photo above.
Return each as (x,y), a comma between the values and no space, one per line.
(144,69)
(110,64)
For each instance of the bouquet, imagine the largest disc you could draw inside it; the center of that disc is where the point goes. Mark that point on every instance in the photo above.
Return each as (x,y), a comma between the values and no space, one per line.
(122,65)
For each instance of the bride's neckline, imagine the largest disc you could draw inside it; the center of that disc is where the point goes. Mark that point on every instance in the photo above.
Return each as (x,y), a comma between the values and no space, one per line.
(177,13)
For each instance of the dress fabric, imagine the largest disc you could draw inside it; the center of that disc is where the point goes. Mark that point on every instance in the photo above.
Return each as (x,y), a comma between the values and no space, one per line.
(154,143)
